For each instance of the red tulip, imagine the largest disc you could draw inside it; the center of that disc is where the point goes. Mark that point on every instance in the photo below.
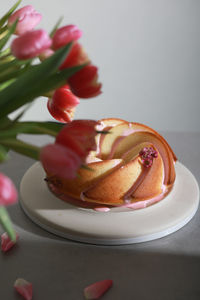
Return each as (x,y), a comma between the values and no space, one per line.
(60,161)
(79,136)
(65,35)
(27,17)
(8,193)
(77,56)
(30,44)
(84,83)
(61,105)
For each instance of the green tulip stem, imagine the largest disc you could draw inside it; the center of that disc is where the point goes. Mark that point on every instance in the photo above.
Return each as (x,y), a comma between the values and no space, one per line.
(22,147)
(7,224)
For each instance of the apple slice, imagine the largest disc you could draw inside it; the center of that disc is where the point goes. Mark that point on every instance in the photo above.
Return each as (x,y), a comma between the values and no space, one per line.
(87,177)
(133,152)
(117,132)
(104,125)
(111,189)
(111,122)
(142,127)
(134,139)
(152,184)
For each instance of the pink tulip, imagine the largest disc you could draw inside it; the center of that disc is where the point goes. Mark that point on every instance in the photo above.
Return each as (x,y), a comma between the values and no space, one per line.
(61,105)
(60,161)
(45,54)
(79,136)
(84,83)
(65,35)
(30,44)
(27,17)
(8,193)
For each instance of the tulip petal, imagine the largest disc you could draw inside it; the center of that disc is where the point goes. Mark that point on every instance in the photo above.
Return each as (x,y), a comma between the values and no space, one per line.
(8,192)
(65,35)
(84,83)
(30,44)
(79,136)
(24,288)
(27,17)
(62,105)
(6,242)
(97,289)
(59,160)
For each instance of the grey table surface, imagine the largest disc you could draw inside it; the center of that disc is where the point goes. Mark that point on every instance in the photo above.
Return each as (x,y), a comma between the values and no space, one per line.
(167,268)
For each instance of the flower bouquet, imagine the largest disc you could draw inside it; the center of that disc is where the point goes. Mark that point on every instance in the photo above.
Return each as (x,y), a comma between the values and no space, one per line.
(111,164)
(34,63)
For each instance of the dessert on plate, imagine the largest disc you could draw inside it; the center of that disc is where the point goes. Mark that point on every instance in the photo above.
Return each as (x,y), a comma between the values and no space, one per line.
(132,167)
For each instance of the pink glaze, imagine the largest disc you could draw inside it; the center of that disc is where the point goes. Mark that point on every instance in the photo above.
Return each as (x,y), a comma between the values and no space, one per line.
(91,159)
(102,209)
(114,146)
(144,203)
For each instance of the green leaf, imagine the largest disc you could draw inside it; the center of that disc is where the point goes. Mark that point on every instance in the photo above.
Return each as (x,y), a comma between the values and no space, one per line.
(43,127)
(3,153)
(7,224)
(22,147)
(4,53)
(20,91)
(56,27)
(26,129)
(55,126)
(11,30)
(14,128)
(49,128)
(11,75)
(3,29)
(9,13)
(4,122)
(6,84)
(13,63)
(87,168)
(53,82)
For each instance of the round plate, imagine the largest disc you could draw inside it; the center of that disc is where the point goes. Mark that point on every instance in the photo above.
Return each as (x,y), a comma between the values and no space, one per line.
(115,226)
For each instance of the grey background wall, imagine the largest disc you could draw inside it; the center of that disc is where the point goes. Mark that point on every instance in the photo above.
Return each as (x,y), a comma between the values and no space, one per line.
(148,57)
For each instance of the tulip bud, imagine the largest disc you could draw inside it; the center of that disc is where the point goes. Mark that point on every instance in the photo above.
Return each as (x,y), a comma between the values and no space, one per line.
(61,105)
(27,17)
(30,44)
(8,193)
(79,136)
(60,161)
(65,35)
(84,83)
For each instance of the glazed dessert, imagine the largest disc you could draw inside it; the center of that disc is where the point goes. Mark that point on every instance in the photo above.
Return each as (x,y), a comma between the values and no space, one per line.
(132,167)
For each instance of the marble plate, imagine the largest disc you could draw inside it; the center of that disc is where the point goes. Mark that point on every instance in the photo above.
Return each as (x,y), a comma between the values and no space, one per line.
(116,226)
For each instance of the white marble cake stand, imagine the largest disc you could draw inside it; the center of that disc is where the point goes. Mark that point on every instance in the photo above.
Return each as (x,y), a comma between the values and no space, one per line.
(116,226)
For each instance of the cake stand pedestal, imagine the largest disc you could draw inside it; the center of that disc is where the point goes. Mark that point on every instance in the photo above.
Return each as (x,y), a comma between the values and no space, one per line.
(117,226)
